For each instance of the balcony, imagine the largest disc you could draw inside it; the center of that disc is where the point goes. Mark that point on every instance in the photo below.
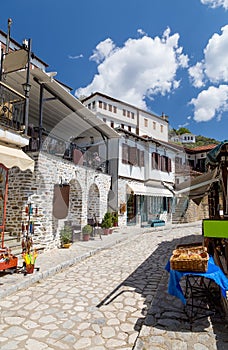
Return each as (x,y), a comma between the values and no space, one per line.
(12,106)
(83,156)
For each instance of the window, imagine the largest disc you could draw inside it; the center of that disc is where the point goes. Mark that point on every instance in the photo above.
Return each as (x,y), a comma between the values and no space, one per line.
(89,105)
(145,122)
(124,153)
(94,104)
(132,115)
(122,126)
(129,128)
(110,108)
(114,109)
(154,125)
(155,161)
(165,163)
(140,158)
(104,120)
(169,165)
(105,105)
(112,124)
(162,128)
(128,114)
(133,156)
(100,104)
(124,112)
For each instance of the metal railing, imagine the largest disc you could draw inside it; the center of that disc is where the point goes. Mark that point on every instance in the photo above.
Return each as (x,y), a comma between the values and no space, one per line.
(65,150)
(12,106)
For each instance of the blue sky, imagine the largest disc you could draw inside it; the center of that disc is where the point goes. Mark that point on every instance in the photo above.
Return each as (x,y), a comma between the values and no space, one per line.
(165,56)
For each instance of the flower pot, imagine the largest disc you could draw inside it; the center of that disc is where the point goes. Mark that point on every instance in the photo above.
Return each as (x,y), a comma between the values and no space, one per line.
(105,231)
(66,245)
(86,236)
(29,268)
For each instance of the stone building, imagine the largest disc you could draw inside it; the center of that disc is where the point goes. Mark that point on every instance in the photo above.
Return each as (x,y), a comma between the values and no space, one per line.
(60,136)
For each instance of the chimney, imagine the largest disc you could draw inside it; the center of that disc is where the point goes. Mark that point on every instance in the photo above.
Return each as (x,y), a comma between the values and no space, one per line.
(165,117)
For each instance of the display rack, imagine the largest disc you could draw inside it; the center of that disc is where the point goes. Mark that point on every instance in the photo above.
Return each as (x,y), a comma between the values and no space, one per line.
(27,239)
(7,259)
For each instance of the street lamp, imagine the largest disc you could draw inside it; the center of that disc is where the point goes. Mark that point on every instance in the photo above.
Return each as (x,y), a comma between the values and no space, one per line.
(26,88)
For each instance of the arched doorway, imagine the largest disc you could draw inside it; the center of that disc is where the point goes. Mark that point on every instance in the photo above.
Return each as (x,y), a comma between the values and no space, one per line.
(93,209)
(75,208)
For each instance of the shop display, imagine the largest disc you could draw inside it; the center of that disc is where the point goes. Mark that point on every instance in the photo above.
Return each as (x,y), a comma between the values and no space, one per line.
(29,255)
(189,258)
(7,259)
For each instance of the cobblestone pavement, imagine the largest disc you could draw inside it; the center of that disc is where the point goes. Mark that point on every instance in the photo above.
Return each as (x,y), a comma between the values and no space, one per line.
(114,299)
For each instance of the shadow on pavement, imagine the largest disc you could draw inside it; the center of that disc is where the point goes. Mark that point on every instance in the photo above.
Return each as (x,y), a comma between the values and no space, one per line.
(163,311)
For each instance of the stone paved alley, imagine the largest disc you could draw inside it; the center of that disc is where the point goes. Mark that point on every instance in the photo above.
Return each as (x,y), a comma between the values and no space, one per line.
(114,299)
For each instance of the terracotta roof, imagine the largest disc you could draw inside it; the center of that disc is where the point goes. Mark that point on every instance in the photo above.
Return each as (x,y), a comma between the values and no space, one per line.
(204,148)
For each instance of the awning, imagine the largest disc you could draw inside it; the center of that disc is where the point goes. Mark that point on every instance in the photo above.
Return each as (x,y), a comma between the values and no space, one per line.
(198,187)
(11,156)
(141,189)
(63,114)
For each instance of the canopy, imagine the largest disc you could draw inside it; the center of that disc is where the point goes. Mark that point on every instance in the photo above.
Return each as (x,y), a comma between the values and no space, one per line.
(140,189)
(213,157)
(11,156)
(198,187)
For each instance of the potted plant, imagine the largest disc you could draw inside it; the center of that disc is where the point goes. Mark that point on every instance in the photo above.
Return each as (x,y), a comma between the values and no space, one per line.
(86,232)
(115,219)
(106,223)
(66,236)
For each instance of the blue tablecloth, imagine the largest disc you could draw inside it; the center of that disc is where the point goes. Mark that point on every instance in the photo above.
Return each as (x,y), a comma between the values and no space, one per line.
(213,272)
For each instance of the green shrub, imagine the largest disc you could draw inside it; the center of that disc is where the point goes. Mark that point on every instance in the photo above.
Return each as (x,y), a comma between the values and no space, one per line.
(87,229)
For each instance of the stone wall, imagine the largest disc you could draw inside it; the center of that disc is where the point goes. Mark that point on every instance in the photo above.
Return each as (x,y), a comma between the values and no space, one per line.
(88,196)
(197,212)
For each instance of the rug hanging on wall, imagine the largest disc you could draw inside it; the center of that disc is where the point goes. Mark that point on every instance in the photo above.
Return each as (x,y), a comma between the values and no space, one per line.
(61,201)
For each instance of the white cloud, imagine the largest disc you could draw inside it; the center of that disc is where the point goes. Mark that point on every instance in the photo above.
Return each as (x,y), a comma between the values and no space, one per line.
(142,67)
(103,50)
(183,125)
(216,57)
(141,32)
(196,74)
(214,66)
(75,57)
(210,103)
(216,3)
(213,69)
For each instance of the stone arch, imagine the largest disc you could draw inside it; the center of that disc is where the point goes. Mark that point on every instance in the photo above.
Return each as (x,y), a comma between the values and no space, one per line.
(75,203)
(93,208)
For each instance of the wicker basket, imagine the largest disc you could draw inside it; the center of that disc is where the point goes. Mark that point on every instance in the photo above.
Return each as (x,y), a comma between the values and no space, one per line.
(193,259)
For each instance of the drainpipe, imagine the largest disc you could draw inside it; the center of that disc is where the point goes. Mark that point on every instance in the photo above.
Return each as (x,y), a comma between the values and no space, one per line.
(137,125)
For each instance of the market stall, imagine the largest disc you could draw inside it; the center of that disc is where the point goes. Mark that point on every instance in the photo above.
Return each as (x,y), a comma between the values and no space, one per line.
(205,266)
(215,228)
(9,157)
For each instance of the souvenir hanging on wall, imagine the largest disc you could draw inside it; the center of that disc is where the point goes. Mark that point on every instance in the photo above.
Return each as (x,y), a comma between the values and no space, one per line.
(61,200)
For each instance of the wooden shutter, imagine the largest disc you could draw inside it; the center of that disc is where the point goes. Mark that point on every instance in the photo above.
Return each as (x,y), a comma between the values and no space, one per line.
(158,161)
(141,158)
(153,160)
(133,156)
(124,153)
(169,165)
(162,163)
